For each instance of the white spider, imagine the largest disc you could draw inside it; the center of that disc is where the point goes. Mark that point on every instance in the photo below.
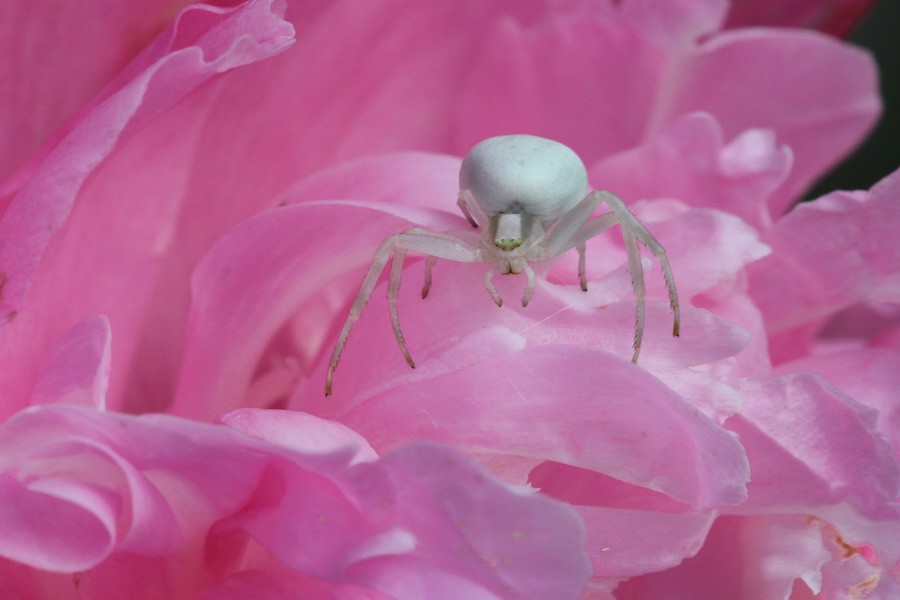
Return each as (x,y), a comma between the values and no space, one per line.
(528,196)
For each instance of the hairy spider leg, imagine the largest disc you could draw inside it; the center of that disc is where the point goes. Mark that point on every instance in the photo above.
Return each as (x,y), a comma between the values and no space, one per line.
(431,243)
(582,267)
(626,217)
(575,228)
(393,290)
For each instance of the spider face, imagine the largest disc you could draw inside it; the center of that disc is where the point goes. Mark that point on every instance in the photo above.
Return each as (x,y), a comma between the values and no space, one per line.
(529,196)
(509,231)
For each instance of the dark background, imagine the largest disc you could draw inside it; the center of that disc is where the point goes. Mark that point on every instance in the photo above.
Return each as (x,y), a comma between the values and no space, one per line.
(879,31)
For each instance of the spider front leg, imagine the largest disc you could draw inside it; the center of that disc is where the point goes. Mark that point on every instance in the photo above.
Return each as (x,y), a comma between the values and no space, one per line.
(470,209)
(431,243)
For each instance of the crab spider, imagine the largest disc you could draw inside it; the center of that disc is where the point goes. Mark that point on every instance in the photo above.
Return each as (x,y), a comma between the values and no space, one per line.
(528,195)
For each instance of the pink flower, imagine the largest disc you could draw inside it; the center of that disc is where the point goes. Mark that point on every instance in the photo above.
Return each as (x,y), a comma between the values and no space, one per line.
(221,198)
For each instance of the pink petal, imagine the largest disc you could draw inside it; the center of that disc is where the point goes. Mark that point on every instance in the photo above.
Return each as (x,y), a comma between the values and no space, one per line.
(826,256)
(52,64)
(811,445)
(632,530)
(275,263)
(305,521)
(644,77)
(76,369)
(871,376)
(753,558)
(819,96)
(690,160)
(674,22)
(70,500)
(301,432)
(628,542)
(521,542)
(201,43)
(572,394)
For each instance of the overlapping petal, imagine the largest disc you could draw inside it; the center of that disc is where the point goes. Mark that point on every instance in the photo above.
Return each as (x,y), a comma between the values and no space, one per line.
(81,487)
(136,226)
(827,255)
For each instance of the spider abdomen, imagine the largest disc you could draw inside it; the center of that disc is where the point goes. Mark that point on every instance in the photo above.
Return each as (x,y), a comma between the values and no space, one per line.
(524,174)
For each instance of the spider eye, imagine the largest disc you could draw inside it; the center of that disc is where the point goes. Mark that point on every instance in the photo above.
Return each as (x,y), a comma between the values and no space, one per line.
(508,244)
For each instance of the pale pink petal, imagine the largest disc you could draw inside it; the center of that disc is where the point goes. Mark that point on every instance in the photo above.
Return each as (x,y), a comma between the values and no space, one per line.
(520,542)
(826,256)
(556,402)
(811,445)
(632,530)
(836,17)
(691,161)
(69,500)
(871,376)
(202,42)
(307,522)
(407,578)
(627,542)
(301,432)
(752,558)
(421,518)
(76,369)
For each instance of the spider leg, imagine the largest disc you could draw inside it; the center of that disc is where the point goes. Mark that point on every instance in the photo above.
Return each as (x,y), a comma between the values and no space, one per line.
(431,243)
(382,254)
(393,291)
(429,264)
(576,227)
(637,284)
(581,267)
(629,221)
(490,285)
(529,272)
(470,209)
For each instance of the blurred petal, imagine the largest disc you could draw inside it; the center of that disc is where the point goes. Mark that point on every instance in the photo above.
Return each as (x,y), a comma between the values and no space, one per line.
(817,95)
(285,584)
(76,369)
(267,268)
(94,267)
(52,64)
(690,160)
